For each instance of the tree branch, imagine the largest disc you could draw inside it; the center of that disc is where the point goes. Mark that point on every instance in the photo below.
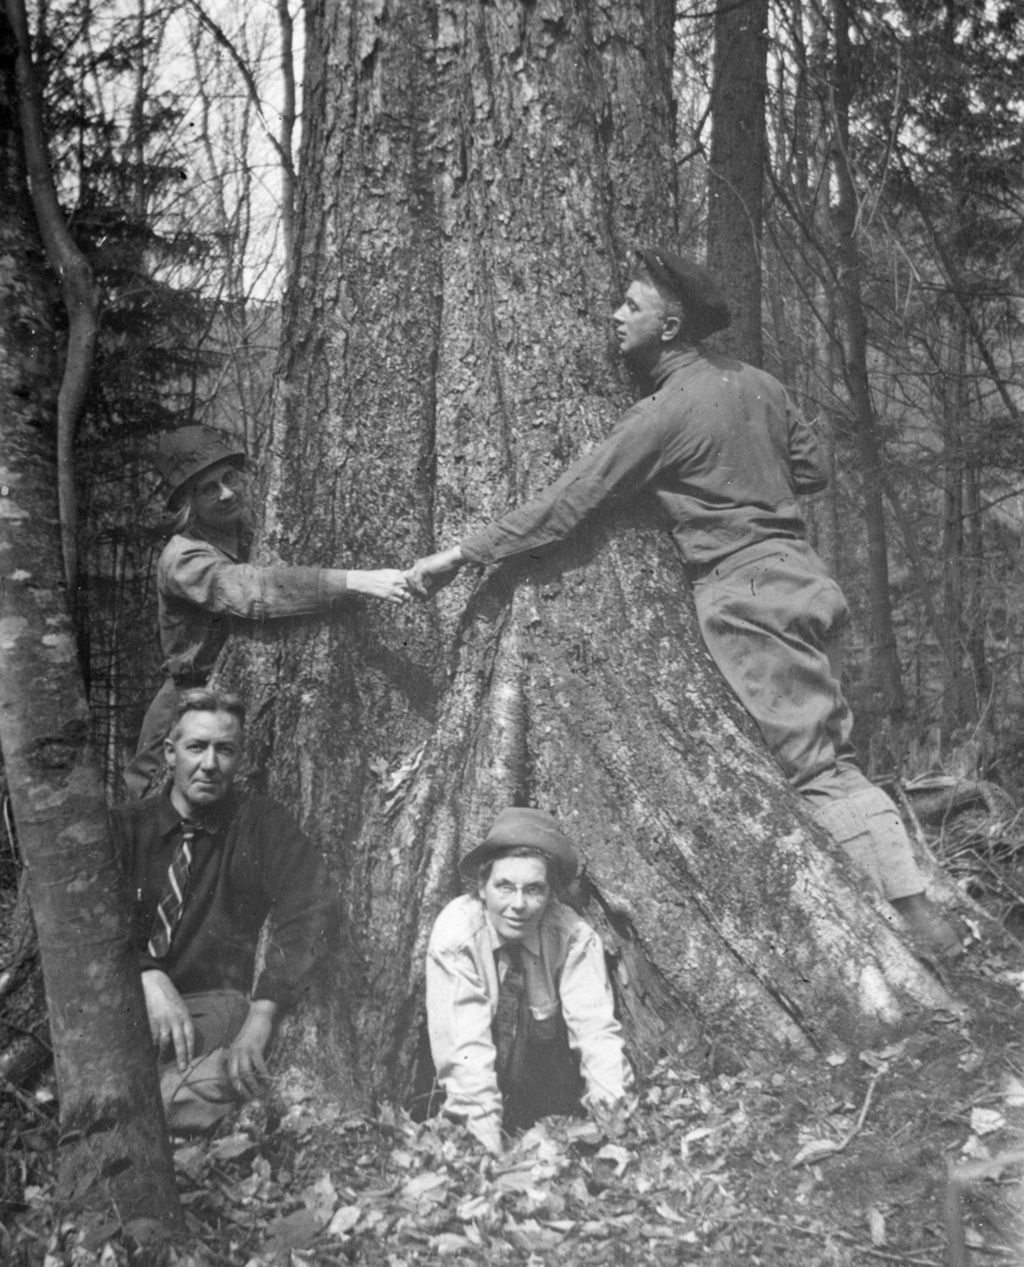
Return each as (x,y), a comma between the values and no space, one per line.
(78,287)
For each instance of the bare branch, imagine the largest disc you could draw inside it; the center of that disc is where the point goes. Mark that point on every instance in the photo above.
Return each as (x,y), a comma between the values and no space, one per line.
(78,286)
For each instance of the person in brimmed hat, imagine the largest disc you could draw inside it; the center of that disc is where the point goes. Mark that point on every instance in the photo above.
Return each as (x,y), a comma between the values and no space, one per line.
(205,583)
(725,451)
(519,1006)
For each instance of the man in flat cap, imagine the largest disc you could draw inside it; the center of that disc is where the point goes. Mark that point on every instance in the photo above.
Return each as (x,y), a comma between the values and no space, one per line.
(724,449)
(519,1007)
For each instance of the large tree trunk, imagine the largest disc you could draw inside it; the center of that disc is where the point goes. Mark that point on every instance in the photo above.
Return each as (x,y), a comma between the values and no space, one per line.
(470,192)
(114,1157)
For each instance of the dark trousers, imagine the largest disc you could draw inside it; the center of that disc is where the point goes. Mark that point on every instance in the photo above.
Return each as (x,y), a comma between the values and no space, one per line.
(541,1075)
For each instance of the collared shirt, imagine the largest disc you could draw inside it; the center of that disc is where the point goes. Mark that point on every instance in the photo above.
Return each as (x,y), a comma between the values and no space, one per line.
(203,588)
(563,968)
(719,442)
(250,862)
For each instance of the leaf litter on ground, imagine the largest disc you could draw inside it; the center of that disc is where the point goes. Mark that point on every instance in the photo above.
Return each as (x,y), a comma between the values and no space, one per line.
(851,1159)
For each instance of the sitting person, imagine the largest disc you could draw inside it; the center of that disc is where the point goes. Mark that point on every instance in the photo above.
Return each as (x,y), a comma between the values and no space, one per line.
(206,585)
(519,1006)
(208,867)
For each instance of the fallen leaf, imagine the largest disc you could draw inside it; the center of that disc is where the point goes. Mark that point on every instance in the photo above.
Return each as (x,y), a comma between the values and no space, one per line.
(583,1133)
(344,1220)
(976,1148)
(814,1150)
(430,1186)
(619,1157)
(985,1121)
(531,1237)
(876,1226)
(230,1148)
(1013,1092)
(449,1243)
(321,1197)
(474,1208)
(667,1212)
(515,1179)
(294,1231)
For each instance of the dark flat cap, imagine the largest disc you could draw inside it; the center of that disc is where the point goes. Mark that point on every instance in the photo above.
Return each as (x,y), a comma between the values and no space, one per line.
(692,285)
(189,451)
(522,828)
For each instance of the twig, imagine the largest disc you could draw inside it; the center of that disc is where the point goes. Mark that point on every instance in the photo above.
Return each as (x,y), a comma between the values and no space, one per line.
(851,1134)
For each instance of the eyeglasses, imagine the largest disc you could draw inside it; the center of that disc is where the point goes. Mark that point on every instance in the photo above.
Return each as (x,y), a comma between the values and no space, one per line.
(209,490)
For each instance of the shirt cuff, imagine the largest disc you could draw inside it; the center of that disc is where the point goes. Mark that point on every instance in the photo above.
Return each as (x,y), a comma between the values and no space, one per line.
(477,548)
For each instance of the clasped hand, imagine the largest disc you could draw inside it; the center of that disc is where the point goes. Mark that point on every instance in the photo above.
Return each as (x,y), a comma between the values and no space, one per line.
(435,571)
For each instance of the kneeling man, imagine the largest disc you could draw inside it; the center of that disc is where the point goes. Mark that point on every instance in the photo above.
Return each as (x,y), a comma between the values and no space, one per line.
(208,867)
(519,1006)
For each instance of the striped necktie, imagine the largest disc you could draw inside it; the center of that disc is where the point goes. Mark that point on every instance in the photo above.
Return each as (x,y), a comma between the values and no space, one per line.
(169,908)
(507,1018)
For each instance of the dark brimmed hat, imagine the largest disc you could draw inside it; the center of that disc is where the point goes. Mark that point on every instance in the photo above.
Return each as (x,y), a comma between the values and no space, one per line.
(523,828)
(188,452)
(694,287)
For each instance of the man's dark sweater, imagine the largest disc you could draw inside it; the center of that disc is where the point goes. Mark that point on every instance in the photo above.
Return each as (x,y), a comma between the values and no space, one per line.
(250,861)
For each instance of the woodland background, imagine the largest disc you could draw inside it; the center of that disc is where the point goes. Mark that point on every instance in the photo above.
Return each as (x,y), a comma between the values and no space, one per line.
(173,137)
(390,273)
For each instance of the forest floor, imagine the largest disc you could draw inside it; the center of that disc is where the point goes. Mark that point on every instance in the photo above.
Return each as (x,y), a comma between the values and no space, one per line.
(912,1154)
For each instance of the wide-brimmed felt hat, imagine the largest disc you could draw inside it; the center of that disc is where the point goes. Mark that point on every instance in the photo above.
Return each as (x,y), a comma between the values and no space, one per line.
(187,452)
(686,280)
(521,827)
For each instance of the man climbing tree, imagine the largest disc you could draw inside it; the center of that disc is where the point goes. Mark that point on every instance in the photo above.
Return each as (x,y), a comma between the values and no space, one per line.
(724,448)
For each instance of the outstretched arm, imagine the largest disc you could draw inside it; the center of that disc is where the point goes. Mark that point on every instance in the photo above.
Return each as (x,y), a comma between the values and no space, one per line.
(195,572)
(387,583)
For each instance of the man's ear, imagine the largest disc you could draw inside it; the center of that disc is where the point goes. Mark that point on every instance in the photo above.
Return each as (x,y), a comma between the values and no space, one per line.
(169,753)
(670,328)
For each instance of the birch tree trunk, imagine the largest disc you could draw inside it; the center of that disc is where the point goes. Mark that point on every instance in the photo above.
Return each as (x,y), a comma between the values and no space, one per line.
(473,179)
(114,1156)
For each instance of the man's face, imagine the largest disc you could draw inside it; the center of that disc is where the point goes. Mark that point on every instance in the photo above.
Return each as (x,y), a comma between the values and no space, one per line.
(640,322)
(203,758)
(218,494)
(515,896)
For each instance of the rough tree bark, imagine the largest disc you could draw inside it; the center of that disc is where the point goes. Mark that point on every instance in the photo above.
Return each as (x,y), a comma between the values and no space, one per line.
(473,177)
(114,1153)
(736,168)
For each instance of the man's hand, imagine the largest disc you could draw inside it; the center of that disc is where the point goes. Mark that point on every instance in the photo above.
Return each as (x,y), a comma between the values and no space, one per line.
(169,1019)
(247,1068)
(435,571)
(387,583)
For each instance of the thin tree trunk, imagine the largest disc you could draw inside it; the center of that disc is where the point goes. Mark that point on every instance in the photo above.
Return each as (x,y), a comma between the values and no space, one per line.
(736,168)
(287,133)
(114,1154)
(885,661)
(950,628)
